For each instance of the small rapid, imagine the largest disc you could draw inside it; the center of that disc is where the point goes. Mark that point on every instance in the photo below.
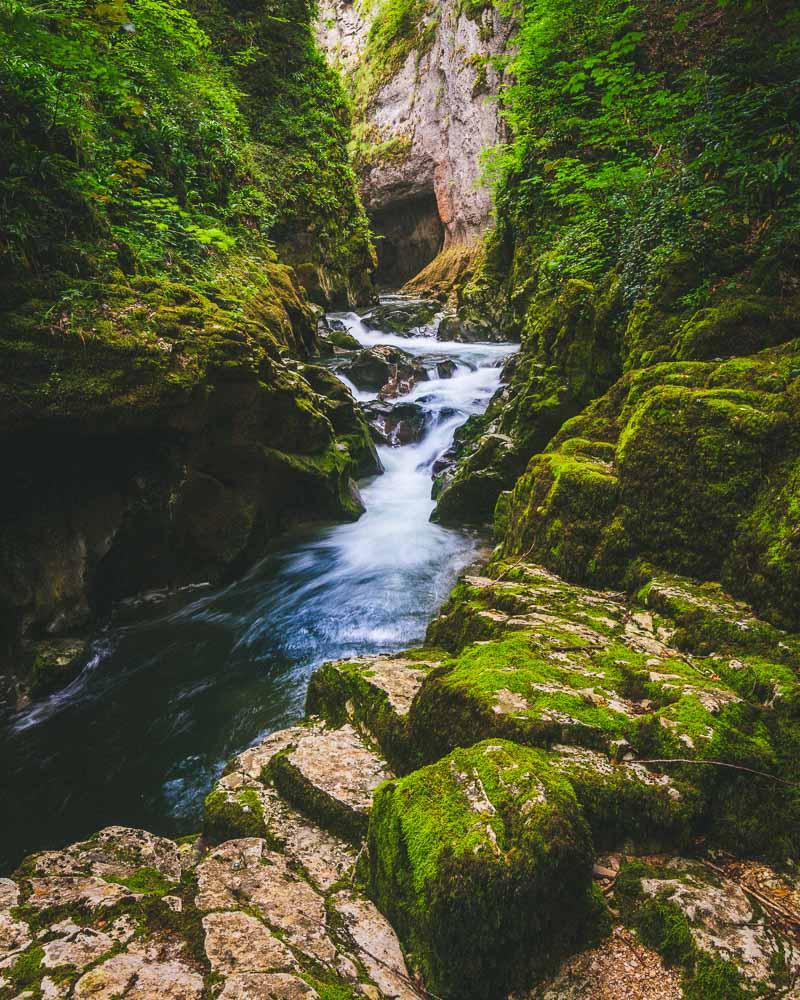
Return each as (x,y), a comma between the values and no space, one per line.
(180,683)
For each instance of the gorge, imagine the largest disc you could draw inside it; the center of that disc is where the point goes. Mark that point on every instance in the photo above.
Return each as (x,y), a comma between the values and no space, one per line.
(400,535)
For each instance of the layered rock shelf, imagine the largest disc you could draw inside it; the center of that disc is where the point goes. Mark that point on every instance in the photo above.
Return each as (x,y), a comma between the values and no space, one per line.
(557,796)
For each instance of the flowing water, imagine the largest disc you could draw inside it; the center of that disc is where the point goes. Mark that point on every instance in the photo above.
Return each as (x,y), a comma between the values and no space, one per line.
(178,684)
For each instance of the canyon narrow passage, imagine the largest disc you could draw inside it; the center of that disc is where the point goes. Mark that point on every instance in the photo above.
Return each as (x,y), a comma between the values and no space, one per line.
(179,685)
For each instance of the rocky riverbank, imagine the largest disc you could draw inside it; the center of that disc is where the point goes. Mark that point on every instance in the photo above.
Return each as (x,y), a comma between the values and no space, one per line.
(532,787)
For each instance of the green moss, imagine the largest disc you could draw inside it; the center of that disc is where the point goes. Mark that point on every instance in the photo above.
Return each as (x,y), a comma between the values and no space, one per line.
(25,972)
(326,811)
(463,854)
(662,925)
(342,693)
(740,325)
(231,814)
(148,881)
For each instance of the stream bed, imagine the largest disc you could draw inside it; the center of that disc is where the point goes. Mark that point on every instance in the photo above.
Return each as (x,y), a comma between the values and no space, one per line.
(179,684)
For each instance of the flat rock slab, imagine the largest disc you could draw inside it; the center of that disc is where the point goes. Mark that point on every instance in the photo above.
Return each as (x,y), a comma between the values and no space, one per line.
(375,943)
(331,775)
(136,978)
(116,852)
(245,873)
(260,986)
(374,695)
(238,943)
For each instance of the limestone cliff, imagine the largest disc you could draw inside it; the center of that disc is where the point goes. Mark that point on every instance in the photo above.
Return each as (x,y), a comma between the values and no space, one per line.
(424,79)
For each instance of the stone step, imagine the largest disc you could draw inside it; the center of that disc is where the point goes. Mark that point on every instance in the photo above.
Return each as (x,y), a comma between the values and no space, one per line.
(373,694)
(242,805)
(330,775)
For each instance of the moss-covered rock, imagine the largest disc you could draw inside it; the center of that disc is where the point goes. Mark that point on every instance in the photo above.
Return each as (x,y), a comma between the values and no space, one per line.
(482,862)
(330,775)
(375,696)
(568,356)
(689,465)
(703,920)
(159,437)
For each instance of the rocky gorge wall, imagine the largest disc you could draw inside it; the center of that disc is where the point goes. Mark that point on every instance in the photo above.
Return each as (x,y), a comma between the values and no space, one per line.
(650,418)
(424,80)
(159,422)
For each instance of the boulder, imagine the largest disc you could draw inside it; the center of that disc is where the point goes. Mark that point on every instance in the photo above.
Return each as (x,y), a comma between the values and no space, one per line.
(330,775)
(374,695)
(375,367)
(452,327)
(405,317)
(395,424)
(482,862)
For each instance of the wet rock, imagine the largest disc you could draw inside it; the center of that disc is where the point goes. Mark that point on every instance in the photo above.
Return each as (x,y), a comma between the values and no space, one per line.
(469,497)
(56,663)
(330,775)
(466,331)
(238,943)
(446,368)
(375,367)
(396,425)
(404,317)
(136,978)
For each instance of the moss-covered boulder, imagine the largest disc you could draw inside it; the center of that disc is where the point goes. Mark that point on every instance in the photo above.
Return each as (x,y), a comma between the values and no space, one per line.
(690,465)
(374,695)
(330,775)
(482,862)
(688,678)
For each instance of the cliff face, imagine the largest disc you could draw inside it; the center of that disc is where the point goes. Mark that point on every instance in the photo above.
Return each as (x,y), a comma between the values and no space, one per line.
(651,417)
(424,79)
(155,425)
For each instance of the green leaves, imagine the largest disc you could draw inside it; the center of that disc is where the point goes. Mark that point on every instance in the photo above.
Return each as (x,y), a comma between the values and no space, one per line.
(653,124)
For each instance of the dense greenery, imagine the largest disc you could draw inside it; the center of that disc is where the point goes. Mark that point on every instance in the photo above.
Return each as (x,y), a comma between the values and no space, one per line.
(642,130)
(648,225)
(162,138)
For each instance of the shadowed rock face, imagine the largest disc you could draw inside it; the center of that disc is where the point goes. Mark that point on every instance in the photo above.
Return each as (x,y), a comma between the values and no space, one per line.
(410,234)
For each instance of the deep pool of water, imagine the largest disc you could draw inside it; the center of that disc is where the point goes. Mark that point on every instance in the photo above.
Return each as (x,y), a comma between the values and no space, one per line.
(178,685)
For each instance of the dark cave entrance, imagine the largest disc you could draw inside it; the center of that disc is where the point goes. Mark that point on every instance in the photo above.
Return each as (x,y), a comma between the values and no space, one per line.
(409,235)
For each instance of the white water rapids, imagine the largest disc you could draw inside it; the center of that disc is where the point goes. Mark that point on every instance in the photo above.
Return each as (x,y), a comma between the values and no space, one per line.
(174,688)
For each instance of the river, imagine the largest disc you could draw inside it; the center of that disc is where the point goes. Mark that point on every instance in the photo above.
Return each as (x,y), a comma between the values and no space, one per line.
(178,684)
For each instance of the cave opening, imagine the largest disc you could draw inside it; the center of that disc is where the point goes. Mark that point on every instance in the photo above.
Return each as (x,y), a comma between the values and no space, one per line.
(409,235)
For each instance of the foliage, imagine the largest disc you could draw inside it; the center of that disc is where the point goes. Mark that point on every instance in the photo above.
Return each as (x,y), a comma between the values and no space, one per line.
(639,130)
(127,141)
